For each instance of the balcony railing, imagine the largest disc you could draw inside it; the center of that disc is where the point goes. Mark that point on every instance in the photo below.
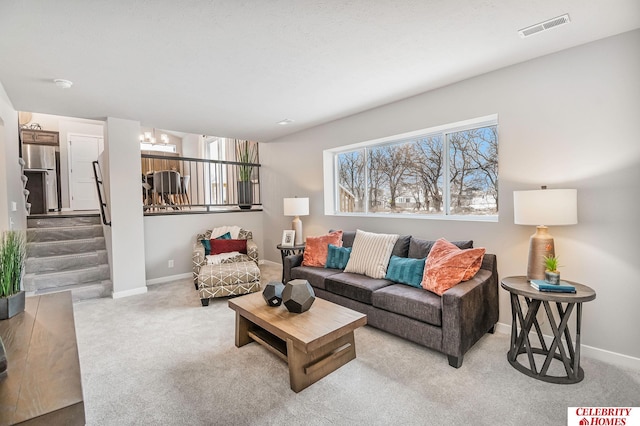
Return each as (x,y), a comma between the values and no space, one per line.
(172,184)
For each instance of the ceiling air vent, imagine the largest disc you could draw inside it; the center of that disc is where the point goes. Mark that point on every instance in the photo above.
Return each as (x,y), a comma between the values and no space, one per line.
(544,26)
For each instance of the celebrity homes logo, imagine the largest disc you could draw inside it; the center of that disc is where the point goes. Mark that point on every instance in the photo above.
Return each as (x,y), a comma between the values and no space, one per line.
(603,416)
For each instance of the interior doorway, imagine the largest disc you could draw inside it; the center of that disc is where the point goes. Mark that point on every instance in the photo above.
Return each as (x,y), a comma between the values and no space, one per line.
(83,150)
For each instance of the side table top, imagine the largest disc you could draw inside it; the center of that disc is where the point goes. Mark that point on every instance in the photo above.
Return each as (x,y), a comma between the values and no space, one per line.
(521,286)
(294,247)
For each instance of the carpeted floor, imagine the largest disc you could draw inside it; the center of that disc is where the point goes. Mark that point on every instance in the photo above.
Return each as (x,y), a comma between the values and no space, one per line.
(162,359)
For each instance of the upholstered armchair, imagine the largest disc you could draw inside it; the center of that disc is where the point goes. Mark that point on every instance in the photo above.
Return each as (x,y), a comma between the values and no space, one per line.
(235,232)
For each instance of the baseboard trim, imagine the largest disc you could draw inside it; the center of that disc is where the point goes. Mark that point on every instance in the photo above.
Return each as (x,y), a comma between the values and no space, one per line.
(614,358)
(169,278)
(127,293)
(268,262)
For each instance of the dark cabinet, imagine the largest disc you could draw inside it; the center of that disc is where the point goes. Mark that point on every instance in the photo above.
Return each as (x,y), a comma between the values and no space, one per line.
(37,186)
(40,137)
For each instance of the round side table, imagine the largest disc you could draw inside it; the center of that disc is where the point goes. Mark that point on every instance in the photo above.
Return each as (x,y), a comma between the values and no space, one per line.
(523,318)
(288,251)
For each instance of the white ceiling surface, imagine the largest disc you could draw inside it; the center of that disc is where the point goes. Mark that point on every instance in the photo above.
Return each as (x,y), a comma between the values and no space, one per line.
(235,68)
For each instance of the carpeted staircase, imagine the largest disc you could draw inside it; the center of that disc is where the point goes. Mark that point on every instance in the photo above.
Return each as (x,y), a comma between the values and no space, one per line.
(67,253)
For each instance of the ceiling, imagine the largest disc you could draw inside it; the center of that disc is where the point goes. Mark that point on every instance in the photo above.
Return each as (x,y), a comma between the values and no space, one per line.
(237,67)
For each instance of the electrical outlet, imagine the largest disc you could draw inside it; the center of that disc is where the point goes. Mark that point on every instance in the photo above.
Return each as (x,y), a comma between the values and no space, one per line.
(171,263)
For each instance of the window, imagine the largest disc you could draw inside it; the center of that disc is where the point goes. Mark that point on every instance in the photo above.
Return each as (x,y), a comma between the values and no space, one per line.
(447,171)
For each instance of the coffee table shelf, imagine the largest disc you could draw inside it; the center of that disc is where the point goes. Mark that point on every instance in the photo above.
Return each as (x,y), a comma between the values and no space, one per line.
(273,343)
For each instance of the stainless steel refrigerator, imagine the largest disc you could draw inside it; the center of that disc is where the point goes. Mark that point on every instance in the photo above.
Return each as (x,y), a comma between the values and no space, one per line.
(43,157)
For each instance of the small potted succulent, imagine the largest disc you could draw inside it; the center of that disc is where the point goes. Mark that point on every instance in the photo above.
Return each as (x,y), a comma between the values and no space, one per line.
(551,273)
(12,260)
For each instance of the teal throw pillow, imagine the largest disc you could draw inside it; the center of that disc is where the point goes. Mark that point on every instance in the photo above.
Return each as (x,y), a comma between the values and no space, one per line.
(207,247)
(406,270)
(226,236)
(337,257)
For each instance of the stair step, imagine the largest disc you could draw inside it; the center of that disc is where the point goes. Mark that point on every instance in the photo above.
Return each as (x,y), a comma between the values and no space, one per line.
(65,262)
(56,221)
(55,248)
(63,233)
(84,291)
(35,282)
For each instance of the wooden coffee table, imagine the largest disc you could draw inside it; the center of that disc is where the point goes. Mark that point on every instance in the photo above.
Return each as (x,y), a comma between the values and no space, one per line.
(313,343)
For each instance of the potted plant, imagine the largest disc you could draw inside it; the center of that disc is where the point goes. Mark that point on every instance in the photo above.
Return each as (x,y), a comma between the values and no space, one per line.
(551,273)
(12,260)
(246,153)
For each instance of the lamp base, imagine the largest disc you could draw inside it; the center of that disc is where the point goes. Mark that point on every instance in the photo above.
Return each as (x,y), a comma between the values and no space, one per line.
(296,225)
(540,245)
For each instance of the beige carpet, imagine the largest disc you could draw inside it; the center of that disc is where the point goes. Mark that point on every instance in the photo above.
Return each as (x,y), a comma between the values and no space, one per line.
(162,359)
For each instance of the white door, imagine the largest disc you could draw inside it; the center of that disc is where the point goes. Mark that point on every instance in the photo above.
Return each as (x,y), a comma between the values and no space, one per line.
(83,150)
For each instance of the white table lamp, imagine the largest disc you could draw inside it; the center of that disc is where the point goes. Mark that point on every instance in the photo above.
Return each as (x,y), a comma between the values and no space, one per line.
(543,207)
(296,207)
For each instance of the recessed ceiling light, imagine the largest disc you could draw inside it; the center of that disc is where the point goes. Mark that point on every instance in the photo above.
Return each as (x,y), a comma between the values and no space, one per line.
(285,121)
(63,84)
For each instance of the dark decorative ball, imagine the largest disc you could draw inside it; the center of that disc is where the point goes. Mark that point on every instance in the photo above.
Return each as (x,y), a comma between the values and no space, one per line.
(272,293)
(298,296)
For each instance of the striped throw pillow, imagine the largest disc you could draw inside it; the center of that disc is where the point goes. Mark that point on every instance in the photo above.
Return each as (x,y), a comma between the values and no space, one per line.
(370,253)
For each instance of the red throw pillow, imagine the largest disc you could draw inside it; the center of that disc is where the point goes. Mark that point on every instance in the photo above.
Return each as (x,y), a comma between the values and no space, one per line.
(448,265)
(227,246)
(317,248)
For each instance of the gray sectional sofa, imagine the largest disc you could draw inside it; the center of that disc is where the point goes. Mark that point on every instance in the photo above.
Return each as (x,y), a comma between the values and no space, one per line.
(450,323)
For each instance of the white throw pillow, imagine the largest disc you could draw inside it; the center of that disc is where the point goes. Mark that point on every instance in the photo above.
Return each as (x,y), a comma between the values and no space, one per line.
(221,230)
(370,253)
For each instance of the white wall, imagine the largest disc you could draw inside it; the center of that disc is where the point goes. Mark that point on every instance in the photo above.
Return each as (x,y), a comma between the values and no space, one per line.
(567,120)
(172,237)
(10,183)
(125,238)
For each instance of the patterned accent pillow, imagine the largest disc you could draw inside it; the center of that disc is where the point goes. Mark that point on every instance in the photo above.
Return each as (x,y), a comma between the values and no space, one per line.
(227,246)
(337,257)
(370,253)
(406,270)
(448,265)
(317,248)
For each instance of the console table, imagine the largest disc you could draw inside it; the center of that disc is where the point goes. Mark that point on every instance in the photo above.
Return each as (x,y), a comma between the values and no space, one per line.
(523,317)
(43,384)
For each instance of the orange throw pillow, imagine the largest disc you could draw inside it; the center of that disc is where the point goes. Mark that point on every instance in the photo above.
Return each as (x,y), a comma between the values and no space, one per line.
(448,265)
(317,248)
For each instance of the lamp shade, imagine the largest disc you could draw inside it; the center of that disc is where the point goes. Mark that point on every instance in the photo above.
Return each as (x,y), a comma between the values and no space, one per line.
(545,207)
(296,206)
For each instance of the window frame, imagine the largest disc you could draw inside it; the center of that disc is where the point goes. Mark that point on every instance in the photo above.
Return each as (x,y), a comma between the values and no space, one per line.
(332,180)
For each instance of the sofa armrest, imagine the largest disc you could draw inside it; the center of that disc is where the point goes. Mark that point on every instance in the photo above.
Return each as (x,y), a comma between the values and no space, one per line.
(252,250)
(290,262)
(469,310)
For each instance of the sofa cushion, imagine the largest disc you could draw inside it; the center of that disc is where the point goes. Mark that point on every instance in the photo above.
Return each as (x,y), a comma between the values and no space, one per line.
(448,265)
(316,249)
(315,276)
(419,248)
(337,257)
(370,253)
(406,270)
(354,286)
(401,247)
(411,302)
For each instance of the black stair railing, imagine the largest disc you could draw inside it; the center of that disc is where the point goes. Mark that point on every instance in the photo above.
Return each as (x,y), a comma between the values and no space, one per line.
(97,173)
